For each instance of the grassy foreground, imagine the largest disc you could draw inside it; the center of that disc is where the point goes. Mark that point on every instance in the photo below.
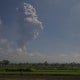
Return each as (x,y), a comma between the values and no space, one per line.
(39,69)
(53,72)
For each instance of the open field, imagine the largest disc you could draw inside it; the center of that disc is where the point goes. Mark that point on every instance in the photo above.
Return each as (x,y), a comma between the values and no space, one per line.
(54,72)
(40,72)
(68,69)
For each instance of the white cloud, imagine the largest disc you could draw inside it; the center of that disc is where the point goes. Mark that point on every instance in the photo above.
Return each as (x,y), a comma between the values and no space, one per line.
(29,25)
(22,55)
(13,43)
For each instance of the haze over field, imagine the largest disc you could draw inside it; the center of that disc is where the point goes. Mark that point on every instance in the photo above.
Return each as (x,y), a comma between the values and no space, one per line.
(40,30)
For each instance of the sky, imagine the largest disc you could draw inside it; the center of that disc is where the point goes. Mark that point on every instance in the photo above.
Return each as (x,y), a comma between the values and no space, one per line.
(49,32)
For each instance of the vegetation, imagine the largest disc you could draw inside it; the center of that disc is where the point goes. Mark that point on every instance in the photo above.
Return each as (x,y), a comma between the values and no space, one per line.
(39,68)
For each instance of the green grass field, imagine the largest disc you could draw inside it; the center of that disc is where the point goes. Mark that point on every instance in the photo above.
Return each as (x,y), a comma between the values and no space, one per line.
(40,69)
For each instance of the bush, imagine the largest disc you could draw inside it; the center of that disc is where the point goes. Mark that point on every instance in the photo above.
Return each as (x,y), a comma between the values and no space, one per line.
(19,70)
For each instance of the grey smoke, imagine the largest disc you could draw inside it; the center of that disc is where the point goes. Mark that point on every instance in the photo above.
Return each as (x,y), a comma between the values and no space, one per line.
(13,39)
(27,26)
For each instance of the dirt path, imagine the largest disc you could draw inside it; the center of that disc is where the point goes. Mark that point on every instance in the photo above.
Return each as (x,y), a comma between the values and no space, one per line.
(39,77)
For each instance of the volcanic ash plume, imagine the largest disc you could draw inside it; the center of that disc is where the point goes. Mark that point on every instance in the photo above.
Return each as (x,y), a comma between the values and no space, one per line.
(13,39)
(28,24)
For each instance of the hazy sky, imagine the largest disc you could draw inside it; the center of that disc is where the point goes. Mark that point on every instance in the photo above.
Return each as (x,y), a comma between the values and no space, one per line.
(59,41)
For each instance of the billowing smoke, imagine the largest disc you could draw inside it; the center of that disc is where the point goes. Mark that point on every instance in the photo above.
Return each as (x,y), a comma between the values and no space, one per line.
(28,24)
(13,39)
